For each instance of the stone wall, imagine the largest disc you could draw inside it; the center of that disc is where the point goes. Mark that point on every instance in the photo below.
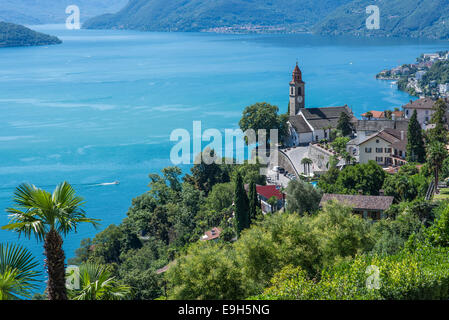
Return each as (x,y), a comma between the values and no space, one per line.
(285,163)
(320,157)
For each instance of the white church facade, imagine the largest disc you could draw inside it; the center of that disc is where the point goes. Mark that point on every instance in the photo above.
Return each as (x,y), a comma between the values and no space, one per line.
(308,125)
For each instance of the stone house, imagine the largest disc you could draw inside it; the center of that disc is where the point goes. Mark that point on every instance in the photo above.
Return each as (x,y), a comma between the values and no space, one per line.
(368,207)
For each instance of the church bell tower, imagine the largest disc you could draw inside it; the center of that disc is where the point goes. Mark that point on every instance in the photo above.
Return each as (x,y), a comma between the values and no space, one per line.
(297,92)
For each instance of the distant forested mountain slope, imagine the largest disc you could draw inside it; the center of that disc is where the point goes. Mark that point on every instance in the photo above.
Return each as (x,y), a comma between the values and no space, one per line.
(410,18)
(200,15)
(53,11)
(13,35)
(403,18)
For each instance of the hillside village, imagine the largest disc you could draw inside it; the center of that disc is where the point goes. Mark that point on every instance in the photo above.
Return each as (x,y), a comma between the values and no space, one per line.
(345,194)
(379,136)
(429,76)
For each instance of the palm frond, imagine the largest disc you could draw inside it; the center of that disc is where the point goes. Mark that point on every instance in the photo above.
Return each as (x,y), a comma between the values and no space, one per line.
(17,274)
(97,283)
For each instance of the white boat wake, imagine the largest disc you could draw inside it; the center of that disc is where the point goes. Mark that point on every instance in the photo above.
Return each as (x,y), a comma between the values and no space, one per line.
(108,183)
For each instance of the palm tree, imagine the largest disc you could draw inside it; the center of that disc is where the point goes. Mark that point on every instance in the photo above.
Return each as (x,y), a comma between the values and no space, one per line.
(17,277)
(97,283)
(307,163)
(436,155)
(348,158)
(47,216)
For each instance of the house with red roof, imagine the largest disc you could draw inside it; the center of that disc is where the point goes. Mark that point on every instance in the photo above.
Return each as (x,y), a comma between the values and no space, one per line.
(264,193)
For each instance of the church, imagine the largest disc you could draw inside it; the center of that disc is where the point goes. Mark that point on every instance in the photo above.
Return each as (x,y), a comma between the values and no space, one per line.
(308,125)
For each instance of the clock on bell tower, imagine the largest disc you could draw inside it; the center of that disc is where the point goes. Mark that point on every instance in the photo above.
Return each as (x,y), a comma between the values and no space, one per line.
(297,92)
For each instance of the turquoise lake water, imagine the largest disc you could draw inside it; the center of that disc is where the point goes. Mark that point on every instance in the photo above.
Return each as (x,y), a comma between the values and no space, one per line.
(101,106)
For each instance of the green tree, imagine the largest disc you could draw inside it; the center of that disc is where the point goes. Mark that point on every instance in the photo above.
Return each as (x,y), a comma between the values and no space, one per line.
(17,275)
(345,125)
(273,202)
(416,151)
(436,154)
(369,115)
(262,116)
(207,272)
(306,162)
(205,176)
(368,178)
(339,144)
(439,132)
(438,234)
(302,197)
(328,180)
(97,283)
(241,205)
(46,216)
(406,185)
(254,203)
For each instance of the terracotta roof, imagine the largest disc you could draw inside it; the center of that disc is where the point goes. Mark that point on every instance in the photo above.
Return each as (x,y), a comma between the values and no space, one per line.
(398,114)
(297,75)
(212,234)
(359,201)
(376,114)
(391,170)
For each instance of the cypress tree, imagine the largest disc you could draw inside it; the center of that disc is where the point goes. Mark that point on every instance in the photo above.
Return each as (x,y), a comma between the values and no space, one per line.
(253,201)
(439,133)
(416,151)
(241,205)
(344,124)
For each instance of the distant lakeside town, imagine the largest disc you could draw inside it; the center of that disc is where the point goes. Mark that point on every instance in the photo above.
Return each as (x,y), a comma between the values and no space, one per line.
(428,77)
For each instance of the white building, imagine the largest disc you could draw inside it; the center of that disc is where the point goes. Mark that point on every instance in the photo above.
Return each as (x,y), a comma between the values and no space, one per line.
(443,88)
(386,148)
(419,75)
(424,110)
(308,125)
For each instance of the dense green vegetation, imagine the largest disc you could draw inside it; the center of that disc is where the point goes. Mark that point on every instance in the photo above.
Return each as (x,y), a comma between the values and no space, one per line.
(438,73)
(306,251)
(406,18)
(400,18)
(365,178)
(197,15)
(12,35)
(167,220)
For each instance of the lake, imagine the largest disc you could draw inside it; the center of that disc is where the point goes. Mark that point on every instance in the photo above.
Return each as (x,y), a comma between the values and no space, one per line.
(101,106)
